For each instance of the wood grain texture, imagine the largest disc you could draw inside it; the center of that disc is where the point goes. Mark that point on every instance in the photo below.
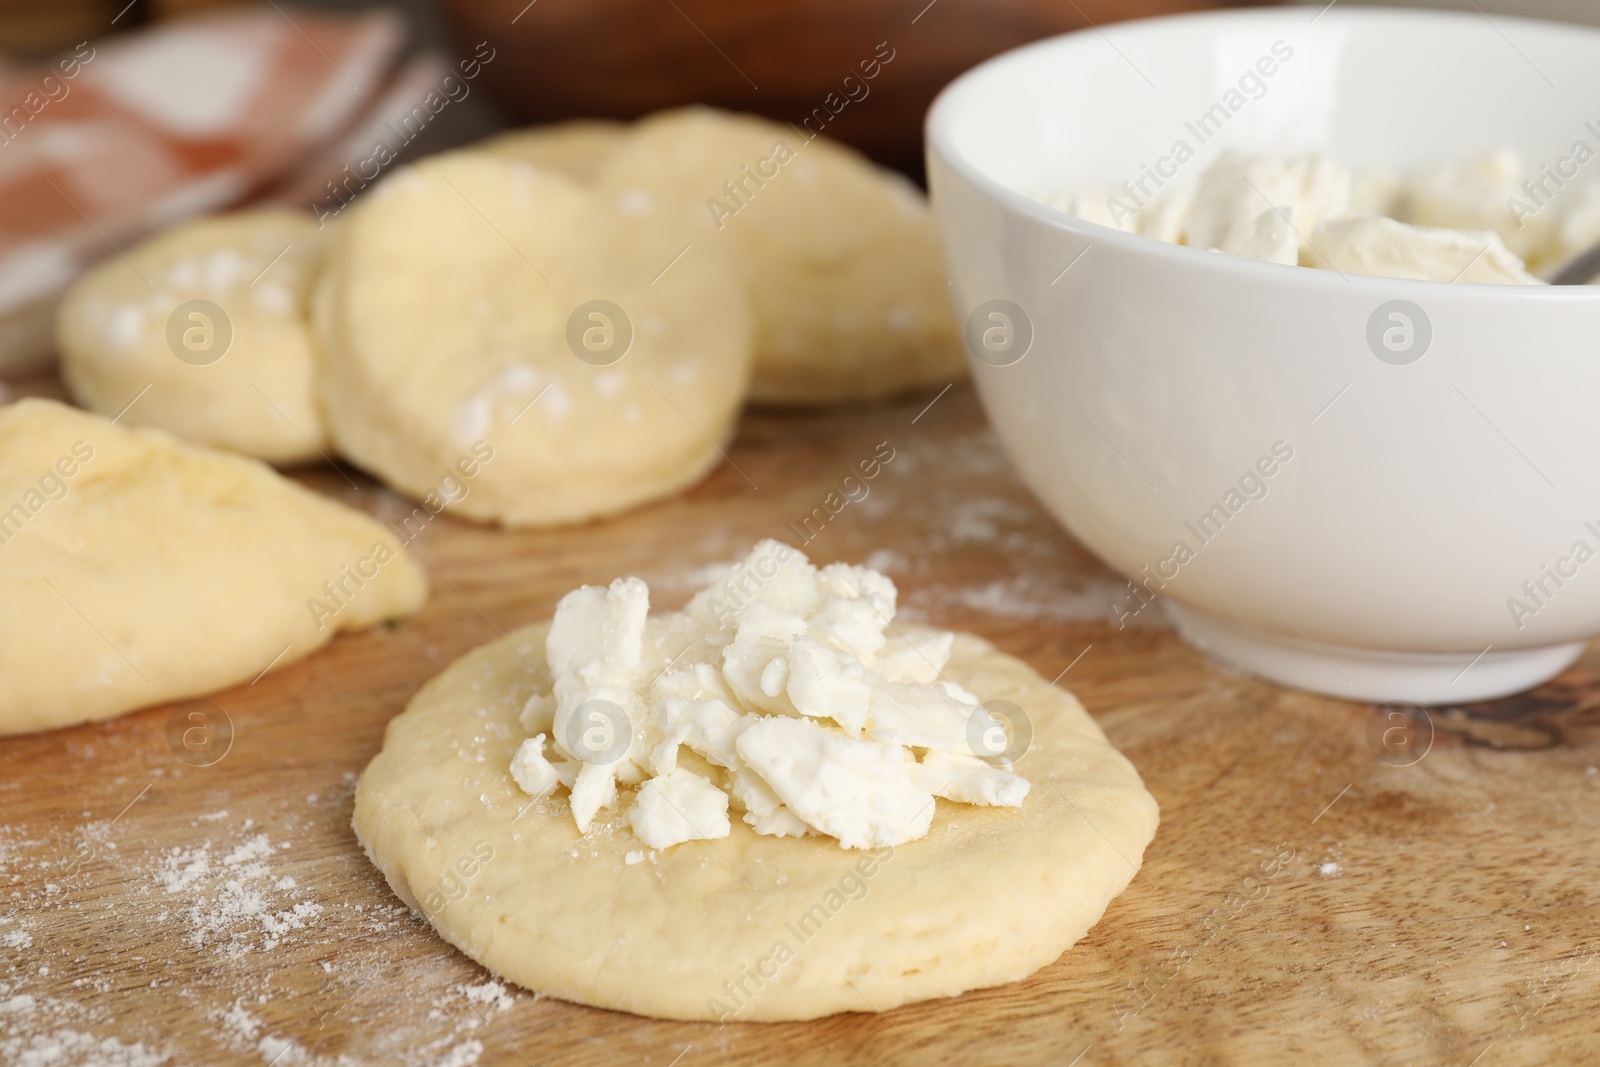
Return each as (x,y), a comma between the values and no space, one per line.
(1419,914)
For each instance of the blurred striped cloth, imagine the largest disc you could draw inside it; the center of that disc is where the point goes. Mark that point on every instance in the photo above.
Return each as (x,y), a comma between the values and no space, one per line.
(119,138)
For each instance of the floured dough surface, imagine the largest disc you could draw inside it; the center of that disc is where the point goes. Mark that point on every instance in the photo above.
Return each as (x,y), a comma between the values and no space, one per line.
(840,257)
(576,149)
(258,396)
(137,569)
(746,927)
(452,315)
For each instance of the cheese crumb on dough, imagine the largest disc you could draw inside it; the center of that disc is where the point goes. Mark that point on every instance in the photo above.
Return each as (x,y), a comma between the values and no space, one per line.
(776,694)
(678,807)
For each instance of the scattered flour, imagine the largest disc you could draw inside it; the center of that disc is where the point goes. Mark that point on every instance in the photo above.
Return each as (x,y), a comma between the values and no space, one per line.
(236,900)
(489,993)
(61,1047)
(463,1055)
(1025,597)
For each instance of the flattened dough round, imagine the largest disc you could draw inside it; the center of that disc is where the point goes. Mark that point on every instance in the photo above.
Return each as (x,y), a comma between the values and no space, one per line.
(576,148)
(259,397)
(137,569)
(988,897)
(839,255)
(444,316)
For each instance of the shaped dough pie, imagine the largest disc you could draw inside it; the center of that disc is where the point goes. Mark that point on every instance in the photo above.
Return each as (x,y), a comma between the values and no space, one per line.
(840,256)
(137,569)
(204,331)
(476,302)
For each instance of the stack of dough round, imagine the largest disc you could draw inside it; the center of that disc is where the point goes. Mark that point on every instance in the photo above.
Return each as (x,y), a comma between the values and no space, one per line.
(257,395)
(839,256)
(137,569)
(457,310)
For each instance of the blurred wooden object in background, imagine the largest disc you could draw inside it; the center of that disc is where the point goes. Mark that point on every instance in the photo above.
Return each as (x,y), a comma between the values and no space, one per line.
(34,28)
(782,58)
(169,9)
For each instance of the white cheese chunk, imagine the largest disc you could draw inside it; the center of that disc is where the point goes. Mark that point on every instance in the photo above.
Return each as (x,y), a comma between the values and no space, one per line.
(1238,188)
(826,684)
(1474,196)
(779,822)
(1166,217)
(919,717)
(860,792)
(762,808)
(538,713)
(699,681)
(664,757)
(748,668)
(593,789)
(597,635)
(969,780)
(858,604)
(1274,239)
(916,661)
(959,693)
(1325,189)
(774,678)
(762,622)
(596,725)
(1163,218)
(1091,205)
(533,773)
(709,727)
(1371,244)
(1231,196)
(773,574)
(678,807)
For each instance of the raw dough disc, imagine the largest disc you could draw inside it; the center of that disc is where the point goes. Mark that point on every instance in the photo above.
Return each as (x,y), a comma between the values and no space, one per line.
(576,148)
(452,315)
(137,569)
(840,256)
(989,896)
(258,396)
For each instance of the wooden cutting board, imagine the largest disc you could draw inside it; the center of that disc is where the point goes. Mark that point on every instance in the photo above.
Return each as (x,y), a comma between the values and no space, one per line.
(1437,913)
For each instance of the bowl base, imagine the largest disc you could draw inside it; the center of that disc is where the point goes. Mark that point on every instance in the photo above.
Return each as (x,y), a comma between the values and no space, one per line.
(1371,675)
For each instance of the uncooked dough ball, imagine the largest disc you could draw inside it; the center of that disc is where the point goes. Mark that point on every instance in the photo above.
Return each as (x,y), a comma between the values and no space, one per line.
(204,331)
(137,569)
(840,256)
(989,896)
(576,148)
(478,307)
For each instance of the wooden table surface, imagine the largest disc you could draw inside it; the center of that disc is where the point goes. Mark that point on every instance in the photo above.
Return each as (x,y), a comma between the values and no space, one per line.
(1441,912)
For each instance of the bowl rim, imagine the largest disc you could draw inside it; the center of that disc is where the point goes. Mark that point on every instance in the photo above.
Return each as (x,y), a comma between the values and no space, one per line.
(938,139)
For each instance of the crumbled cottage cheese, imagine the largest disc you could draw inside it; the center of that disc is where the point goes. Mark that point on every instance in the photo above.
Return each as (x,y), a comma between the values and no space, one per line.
(1469,222)
(776,695)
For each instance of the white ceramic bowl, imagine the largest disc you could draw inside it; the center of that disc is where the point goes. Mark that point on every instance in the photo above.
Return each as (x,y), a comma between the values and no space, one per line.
(1414,500)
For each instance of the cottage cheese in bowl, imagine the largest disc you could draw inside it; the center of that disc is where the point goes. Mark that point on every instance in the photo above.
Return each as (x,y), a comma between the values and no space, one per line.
(1185,248)
(1478,221)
